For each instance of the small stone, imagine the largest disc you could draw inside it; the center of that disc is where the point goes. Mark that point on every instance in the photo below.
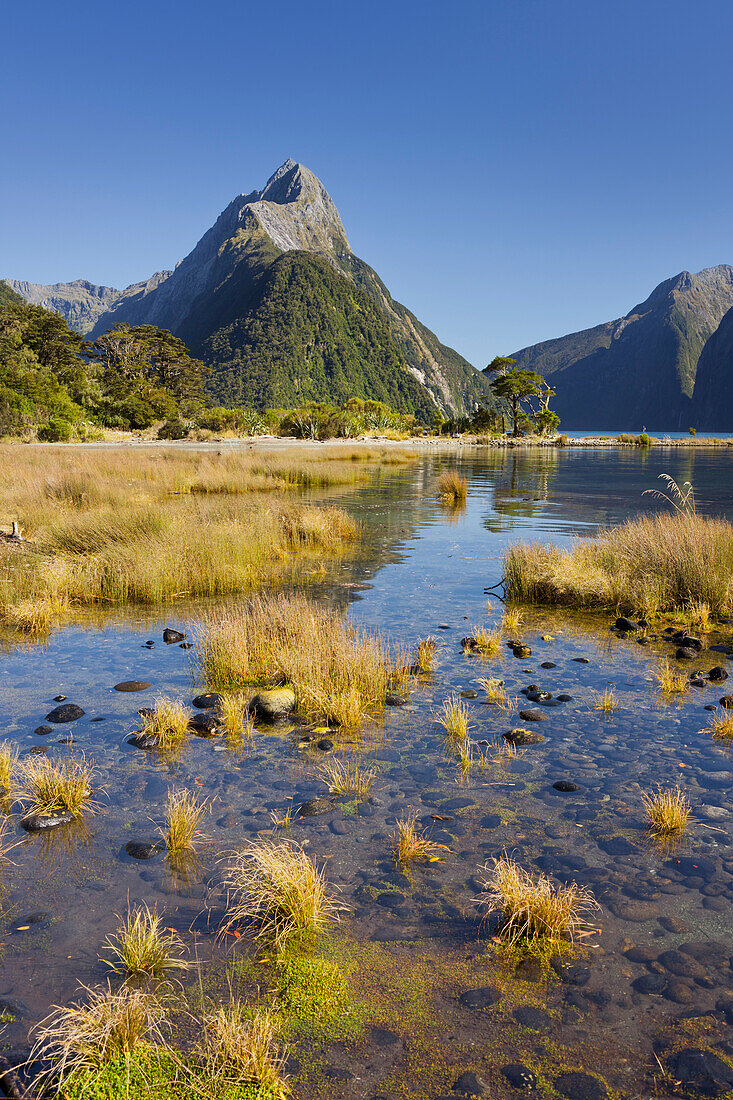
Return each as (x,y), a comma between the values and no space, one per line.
(727,702)
(144,849)
(395,700)
(519,1077)
(207,701)
(685,654)
(701,1071)
(523,737)
(67,712)
(204,725)
(315,807)
(468,1084)
(43,731)
(522,651)
(273,703)
(483,997)
(580,1086)
(59,698)
(132,685)
(564,698)
(325,744)
(625,624)
(38,823)
(582,660)
(535,1018)
(469,693)
(548,664)
(718,674)
(186,645)
(170,636)
(532,715)
(565,786)
(571,973)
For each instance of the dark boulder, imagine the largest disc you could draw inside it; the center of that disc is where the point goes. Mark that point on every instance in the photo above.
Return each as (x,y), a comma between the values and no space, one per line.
(701,1072)
(144,849)
(315,807)
(626,625)
(38,823)
(718,674)
(171,636)
(67,712)
(523,737)
(207,701)
(204,725)
(132,685)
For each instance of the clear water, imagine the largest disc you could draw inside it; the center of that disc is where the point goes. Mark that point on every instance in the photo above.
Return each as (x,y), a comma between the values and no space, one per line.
(425,571)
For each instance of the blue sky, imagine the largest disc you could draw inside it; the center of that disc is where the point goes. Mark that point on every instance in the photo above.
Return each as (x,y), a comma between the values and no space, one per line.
(513,170)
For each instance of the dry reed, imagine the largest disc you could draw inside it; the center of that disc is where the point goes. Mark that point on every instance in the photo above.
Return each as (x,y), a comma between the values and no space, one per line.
(47,788)
(412,845)
(241,1051)
(348,777)
(144,947)
(452,487)
(667,812)
(183,817)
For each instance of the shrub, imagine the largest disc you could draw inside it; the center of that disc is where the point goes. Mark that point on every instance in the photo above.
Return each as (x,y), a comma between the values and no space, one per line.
(57,430)
(173,429)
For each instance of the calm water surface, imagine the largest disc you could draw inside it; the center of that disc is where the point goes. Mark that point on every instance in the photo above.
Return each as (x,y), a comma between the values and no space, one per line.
(663,956)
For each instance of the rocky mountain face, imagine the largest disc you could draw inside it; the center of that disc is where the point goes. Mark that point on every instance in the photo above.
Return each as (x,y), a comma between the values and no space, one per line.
(644,369)
(712,402)
(216,297)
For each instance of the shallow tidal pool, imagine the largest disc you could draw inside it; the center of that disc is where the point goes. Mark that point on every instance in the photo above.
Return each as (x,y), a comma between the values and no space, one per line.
(431,1005)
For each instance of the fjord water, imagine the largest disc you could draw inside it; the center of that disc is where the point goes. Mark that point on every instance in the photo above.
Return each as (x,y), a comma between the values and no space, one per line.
(662,954)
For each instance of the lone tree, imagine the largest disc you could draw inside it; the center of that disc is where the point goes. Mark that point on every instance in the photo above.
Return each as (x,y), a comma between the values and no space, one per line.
(527,394)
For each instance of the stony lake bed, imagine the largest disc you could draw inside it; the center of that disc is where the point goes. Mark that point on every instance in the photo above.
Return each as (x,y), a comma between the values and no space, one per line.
(430,1004)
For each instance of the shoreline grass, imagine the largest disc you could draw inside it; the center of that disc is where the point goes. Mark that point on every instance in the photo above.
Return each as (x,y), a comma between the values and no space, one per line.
(665,562)
(348,777)
(336,671)
(413,845)
(183,816)
(150,526)
(144,947)
(47,788)
(667,813)
(167,723)
(452,487)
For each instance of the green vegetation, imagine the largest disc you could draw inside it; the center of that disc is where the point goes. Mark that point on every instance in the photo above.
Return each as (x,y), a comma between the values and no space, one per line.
(309,335)
(527,395)
(653,563)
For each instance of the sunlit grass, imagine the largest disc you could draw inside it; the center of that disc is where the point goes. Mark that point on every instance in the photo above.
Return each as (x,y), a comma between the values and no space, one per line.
(275,891)
(426,649)
(241,1049)
(338,672)
(47,788)
(606,701)
(8,759)
(84,1036)
(452,487)
(721,726)
(236,720)
(454,720)
(670,681)
(666,562)
(348,777)
(511,620)
(168,723)
(698,618)
(496,694)
(487,643)
(667,812)
(536,913)
(144,947)
(411,844)
(184,813)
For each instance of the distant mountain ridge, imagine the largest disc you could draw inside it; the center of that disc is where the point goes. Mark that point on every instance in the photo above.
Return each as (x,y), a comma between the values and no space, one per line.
(659,365)
(217,296)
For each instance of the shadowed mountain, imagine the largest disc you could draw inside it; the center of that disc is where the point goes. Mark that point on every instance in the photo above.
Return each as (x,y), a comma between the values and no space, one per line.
(641,369)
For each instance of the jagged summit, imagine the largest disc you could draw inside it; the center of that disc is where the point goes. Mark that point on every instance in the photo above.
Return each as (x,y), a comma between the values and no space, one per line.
(235,285)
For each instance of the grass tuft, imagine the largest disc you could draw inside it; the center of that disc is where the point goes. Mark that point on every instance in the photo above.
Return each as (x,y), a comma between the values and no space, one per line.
(338,673)
(511,620)
(276,892)
(426,649)
(85,1036)
(606,701)
(144,947)
(496,695)
(168,723)
(452,487)
(536,913)
(412,845)
(664,562)
(236,720)
(241,1051)
(47,788)
(670,681)
(721,726)
(667,812)
(454,720)
(348,777)
(183,817)
(487,643)
(8,759)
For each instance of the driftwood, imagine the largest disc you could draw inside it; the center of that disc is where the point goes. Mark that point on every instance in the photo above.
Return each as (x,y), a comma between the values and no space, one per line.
(11,1085)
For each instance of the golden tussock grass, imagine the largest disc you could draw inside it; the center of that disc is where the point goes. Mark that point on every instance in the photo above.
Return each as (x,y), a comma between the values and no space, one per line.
(426,650)
(721,725)
(654,563)
(8,759)
(411,844)
(168,722)
(606,701)
(236,720)
(348,777)
(667,812)
(243,1050)
(106,1025)
(151,526)
(496,694)
(511,620)
(47,788)
(183,816)
(276,891)
(338,672)
(670,681)
(487,643)
(697,617)
(535,911)
(454,720)
(452,487)
(144,947)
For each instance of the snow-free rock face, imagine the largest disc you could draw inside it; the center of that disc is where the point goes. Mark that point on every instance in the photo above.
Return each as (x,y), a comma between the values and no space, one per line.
(210,297)
(640,370)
